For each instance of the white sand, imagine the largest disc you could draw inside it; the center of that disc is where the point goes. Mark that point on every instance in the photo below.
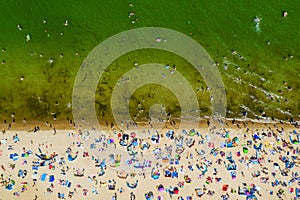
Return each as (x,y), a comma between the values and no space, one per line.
(61,141)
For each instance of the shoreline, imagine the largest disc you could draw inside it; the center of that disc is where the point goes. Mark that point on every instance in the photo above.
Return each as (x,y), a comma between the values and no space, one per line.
(66,125)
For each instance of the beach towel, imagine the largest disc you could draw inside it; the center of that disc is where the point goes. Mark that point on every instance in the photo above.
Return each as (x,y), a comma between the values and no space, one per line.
(174,174)
(68,184)
(35,167)
(43,177)
(51,178)
(222,145)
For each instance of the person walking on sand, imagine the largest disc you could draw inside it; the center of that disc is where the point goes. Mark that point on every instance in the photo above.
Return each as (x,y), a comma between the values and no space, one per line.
(114,197)
(132,196)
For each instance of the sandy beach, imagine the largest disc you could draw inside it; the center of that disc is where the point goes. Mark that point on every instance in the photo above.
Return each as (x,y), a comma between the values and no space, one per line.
(143,163)
(137,100)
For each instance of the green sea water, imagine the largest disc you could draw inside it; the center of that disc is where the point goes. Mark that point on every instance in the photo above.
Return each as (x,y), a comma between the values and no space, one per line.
(62,33)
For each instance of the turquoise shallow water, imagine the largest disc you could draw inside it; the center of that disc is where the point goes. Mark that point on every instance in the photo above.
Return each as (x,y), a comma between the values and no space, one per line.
(73,28)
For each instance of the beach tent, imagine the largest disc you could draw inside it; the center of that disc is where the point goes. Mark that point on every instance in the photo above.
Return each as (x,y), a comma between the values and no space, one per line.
(132,185)
(199,192)
(235,140)
(174,174)
(123,175)
(79,173)
(133,134)
(289,165)
(187,179)
(251,197)
(179,141)
(297,191)
(227,134)
(130,149)
(295,140)
(179,150)
(155,174)
(175,190)
(225,188)
(276,166)
(16,139)
(257,148)
(145,146)
(93,146)
(189,142)
(149,195)
(170,134)
(68,184)
(14,156)
(45,157)
(222,144)
(168,173)
(184,132)
(123,142)
(211,145)
(35,167)
(72,157)
(111,187)
(24,155)
(155,139)
(10,185)
(102,164)
(254,161)
(102,172)
(21,173)
(117,161)
(233,175)
(256,137)
(203,168)
(229,144)
(231,167)
(125,136)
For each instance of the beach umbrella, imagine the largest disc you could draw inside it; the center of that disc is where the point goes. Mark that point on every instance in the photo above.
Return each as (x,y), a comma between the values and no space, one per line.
(176,190)
(245,150)
(133,135)
(225,187)
(192,132)
(276,165)
(227,135)
(235,139)
(160,188)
